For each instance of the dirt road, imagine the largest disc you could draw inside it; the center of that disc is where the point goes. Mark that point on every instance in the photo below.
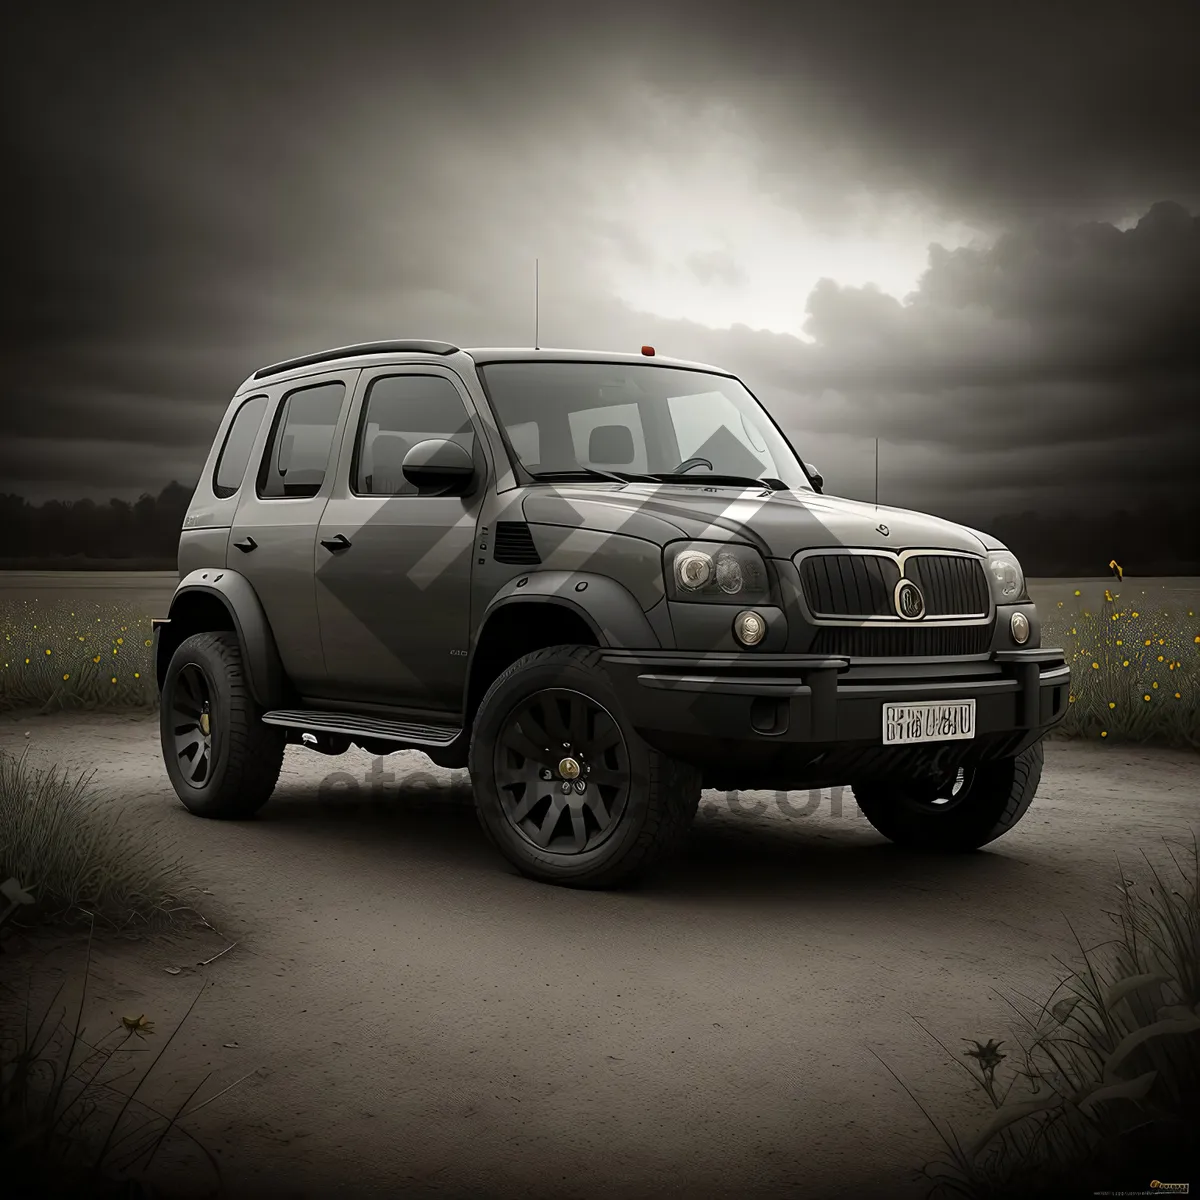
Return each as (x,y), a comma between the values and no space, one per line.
(425,1021)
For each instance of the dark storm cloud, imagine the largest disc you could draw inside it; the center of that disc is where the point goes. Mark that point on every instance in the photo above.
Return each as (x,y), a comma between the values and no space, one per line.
(200,191)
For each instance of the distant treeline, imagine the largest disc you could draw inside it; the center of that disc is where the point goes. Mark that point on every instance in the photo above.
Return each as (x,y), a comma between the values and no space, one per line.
(144,535)
(146,529)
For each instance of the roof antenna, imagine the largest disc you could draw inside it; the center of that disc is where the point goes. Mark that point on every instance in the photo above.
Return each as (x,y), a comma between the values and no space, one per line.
(535,305)
(876,472)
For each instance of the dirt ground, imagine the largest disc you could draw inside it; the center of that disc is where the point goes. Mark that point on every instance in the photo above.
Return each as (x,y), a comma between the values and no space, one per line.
(417,1019)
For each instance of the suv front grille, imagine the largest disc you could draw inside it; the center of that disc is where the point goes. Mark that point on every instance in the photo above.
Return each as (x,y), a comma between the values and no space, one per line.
(849,585)
(514,544)
(902,642)
(862,585)
(952,586)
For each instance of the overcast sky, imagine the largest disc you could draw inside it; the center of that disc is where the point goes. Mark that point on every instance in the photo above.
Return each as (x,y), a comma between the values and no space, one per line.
(970,231)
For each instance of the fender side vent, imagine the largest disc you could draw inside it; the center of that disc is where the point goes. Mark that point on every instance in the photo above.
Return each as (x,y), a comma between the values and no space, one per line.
(514,544)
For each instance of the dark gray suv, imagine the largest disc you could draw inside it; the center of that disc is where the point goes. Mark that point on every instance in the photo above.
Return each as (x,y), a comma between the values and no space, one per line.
(601,582)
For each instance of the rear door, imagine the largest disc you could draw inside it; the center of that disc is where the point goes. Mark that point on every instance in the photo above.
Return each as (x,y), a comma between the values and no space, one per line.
(275,527)
(394,565)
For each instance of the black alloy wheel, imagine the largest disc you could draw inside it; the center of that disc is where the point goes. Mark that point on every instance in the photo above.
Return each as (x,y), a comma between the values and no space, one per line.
(562,770)
(192,725)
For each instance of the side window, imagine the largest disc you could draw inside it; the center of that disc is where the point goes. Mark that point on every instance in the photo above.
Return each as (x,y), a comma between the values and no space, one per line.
(609,437)
(239,441)
(400,411)
(298,452)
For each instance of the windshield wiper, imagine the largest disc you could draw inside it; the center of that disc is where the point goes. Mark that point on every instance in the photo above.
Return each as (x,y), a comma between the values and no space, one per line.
(776,485)
(595,473)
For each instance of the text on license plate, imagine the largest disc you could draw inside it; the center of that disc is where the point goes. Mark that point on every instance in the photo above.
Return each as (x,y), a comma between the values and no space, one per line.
(948,721)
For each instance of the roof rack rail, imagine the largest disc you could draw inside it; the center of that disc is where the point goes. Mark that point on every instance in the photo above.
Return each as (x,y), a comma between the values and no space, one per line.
(306,360)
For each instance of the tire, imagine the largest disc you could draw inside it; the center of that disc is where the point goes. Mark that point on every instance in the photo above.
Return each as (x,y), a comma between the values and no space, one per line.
(635,806)
(994,796)
(244,755)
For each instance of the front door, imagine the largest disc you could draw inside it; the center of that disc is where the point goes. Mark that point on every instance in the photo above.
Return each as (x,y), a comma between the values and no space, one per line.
(275,527)
(393,564)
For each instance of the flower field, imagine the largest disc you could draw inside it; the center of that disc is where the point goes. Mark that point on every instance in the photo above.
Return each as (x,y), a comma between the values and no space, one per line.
(64,655)
(1135,671)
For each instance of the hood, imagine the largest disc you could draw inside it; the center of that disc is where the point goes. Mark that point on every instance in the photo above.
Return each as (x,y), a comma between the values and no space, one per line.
(778,523)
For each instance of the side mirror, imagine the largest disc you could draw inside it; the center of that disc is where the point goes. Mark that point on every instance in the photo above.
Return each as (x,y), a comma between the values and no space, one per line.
(439,464)
(818,480)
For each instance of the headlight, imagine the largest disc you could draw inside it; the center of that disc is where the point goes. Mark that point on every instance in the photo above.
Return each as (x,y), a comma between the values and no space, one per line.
(1008,580)
(716,571)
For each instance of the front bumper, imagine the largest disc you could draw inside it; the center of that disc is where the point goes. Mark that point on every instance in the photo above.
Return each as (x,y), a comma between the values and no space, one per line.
(782,720)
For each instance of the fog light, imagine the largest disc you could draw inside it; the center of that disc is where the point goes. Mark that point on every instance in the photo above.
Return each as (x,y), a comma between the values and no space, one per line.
(749,628)
(1020,628)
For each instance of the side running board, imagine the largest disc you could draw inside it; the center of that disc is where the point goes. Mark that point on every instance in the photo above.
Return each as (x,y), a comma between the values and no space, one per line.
(354,727)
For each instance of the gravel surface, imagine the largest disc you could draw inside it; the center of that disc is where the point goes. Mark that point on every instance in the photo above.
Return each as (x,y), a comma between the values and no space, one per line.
(419,1019)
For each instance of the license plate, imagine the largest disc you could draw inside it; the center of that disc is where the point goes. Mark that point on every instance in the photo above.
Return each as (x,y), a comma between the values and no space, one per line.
(951,721)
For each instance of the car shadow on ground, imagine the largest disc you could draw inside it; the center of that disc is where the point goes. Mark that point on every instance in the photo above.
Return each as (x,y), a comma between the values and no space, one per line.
(752,853)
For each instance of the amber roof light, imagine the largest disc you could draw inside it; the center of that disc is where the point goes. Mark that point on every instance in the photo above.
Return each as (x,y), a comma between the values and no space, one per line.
(648,351)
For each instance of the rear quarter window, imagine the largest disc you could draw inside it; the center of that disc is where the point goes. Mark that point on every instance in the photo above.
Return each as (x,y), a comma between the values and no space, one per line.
(239,441)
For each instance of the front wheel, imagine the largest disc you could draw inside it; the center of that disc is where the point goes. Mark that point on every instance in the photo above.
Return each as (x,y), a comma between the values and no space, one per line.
(564,786)
(980,804)
(222,760)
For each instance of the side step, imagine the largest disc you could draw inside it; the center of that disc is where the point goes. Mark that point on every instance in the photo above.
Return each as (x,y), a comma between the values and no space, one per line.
(355,727)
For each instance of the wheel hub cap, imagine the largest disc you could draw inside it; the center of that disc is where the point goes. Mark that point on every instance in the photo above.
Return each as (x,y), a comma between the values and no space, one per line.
(568,768)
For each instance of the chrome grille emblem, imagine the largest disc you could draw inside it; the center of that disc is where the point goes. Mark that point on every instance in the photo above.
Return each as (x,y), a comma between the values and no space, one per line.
(909,602)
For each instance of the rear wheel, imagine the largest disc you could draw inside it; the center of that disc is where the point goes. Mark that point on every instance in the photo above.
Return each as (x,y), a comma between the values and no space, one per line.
(564,786)
(222,760)
(972,808)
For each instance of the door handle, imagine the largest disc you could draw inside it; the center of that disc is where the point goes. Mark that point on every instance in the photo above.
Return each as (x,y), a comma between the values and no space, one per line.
(246,545)
(339,541)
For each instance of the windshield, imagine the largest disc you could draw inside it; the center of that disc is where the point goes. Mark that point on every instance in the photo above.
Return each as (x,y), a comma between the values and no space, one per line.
(636,419)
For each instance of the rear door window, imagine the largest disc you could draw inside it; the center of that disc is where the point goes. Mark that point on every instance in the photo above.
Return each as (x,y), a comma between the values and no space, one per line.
(297,456)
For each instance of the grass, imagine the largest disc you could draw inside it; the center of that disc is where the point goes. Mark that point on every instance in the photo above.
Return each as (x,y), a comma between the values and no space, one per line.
(1135,672)
(81,859)
(67,1125)
(1099,1087)
(75,656)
